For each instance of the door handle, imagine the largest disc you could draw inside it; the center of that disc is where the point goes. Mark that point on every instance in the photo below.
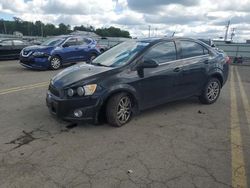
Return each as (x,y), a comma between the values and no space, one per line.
(177,69)
(206,61)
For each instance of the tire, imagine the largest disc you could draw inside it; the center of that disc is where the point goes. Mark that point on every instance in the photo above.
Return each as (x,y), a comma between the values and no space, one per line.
(211,91)
(55,62)
(119,110)
(92,56)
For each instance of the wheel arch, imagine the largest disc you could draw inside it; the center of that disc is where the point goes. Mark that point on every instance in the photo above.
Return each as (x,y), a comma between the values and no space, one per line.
(217,73)
(110,94)
(218,76)
(57,55)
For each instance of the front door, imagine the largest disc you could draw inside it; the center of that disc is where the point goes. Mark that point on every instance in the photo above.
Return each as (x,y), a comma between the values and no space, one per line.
(157,84)
(70,50)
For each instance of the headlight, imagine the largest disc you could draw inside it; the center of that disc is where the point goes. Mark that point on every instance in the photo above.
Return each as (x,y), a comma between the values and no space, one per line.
(80,91)
(38,54)
(90,89)
(70,92)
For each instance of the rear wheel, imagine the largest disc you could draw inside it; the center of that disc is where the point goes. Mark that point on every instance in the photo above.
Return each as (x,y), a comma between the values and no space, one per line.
(55,62)
(211,91)
(119,109)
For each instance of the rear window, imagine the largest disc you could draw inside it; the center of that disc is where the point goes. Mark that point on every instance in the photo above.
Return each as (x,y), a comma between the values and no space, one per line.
(192,49)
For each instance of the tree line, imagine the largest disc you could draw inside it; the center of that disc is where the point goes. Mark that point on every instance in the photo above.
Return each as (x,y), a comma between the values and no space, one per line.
(40,29)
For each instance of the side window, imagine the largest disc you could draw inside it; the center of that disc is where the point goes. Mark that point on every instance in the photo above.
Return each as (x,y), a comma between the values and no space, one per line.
(163,52)
(72,42)
(205,51)
(6,43)
(192,49)
(82,41)
(18,43)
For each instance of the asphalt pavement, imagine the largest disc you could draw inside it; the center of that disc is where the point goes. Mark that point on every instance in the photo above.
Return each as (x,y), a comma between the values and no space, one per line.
(179,144)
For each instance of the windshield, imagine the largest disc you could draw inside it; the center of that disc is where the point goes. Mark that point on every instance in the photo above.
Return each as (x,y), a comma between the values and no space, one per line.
(53,42)
(120,54)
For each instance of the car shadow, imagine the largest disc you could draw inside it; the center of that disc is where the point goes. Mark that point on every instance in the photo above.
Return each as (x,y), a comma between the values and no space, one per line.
(164,109)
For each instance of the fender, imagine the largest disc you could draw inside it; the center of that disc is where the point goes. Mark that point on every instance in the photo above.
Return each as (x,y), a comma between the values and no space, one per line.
(218,72)
(122,88)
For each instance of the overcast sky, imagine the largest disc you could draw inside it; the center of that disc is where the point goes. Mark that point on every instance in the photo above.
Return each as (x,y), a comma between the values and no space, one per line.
(195,18)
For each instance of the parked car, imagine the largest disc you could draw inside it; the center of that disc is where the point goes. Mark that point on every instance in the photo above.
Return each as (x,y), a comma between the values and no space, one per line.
(11,48)
(136,75)
(59,51)
(102,47)
(105,43)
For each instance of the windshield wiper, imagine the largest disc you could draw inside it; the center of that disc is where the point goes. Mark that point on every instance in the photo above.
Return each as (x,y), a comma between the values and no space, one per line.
(99,64)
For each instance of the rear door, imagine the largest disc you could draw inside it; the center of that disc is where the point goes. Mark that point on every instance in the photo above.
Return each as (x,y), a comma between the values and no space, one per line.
(83,49)
(158,84)
(193,70)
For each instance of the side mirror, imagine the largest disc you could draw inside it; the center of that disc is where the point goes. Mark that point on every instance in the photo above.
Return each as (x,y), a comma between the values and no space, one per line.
(150,63)
(65,45)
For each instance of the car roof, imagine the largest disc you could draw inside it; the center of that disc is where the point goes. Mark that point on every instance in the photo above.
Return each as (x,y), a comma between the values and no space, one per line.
(2,39)
(68,36)
(157,39)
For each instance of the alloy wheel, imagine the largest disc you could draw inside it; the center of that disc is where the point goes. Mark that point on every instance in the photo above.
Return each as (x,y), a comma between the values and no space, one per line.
(213,90)
(124,110)
(92,57)
(55,63)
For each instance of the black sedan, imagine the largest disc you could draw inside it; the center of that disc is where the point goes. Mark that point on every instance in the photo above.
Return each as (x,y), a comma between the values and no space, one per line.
(137,75)
(11,48)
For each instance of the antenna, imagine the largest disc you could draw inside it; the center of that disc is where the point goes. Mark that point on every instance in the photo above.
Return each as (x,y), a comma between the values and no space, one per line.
(149,27)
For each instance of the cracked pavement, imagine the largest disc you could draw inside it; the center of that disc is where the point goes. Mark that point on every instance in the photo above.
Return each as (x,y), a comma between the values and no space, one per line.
(179,144)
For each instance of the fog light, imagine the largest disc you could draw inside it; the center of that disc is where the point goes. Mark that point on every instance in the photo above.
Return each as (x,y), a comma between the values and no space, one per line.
(78,113)
(80,91)
(70,92)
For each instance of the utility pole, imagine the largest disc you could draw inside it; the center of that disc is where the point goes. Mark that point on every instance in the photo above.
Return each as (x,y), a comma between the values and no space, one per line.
(233,33)
(156,32)
(227,27)
(149,27)
(4,26)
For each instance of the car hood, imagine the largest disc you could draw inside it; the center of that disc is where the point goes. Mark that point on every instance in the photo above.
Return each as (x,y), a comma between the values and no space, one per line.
(77,73)
(38,48)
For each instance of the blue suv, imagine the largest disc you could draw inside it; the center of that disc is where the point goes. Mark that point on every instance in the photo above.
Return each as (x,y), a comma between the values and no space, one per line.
(58,51)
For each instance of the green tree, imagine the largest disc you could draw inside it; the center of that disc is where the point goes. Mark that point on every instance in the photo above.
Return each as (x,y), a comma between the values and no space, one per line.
(40,29)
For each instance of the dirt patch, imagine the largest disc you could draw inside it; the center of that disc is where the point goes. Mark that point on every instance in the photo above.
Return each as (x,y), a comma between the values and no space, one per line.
(24,139)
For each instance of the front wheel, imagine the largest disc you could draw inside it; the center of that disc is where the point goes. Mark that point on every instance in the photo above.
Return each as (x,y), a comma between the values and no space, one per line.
(211,91)
(119,109)
(55,62)
(92,57)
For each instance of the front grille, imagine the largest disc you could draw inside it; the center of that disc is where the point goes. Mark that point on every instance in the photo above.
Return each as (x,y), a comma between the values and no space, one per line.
(26,60)
(53,90)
